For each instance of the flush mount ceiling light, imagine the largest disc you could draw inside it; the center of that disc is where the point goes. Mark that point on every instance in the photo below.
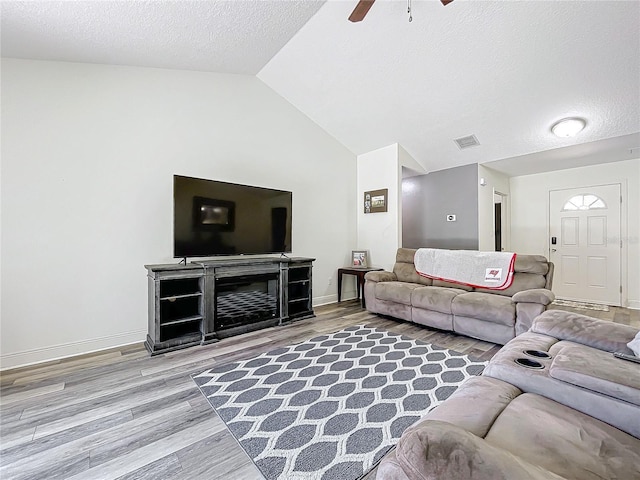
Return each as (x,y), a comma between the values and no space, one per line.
(568,127)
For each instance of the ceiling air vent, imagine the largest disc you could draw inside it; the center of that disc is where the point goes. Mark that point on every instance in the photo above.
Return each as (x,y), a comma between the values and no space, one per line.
(467,142)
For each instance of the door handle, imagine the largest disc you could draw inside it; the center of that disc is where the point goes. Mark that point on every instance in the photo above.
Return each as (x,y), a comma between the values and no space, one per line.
(553,250)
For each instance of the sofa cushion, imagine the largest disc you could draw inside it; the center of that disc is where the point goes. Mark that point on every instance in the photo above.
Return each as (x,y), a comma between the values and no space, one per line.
(520,431)
(597,371)
(485,306)
(521,281)
(442,283)
(564,441)
(609,409)
(405,255)
(439,450)
(600,334)
(434,298)
(531,264)
(406,272)
(483,330)
(431,318)
(489,398)
(394,309)
(399,292)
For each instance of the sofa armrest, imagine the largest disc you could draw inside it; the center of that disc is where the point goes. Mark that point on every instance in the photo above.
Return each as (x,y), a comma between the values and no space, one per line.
(529,304)
(589,331)
(447,452)
(380,276)
(534,295)
(489,398)
(371,282)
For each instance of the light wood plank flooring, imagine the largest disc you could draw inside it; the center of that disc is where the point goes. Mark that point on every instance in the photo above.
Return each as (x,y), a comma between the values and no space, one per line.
(120,414)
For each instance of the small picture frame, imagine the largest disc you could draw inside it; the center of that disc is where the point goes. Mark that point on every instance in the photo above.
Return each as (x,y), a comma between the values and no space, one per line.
(360,258)
(375,201)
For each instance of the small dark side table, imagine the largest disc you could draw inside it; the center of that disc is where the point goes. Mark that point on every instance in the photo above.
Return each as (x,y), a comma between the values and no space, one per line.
(359,272)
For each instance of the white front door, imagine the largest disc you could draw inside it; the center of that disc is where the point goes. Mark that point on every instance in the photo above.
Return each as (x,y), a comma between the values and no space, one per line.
(584,244)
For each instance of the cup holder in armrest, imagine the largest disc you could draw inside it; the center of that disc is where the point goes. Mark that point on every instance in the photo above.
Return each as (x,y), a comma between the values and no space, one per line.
(528,363)
(536,353)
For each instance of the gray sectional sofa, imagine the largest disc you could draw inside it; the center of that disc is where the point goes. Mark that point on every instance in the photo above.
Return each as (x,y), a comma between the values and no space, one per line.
(574,415)
(491,430)
(576,367)
(493,315)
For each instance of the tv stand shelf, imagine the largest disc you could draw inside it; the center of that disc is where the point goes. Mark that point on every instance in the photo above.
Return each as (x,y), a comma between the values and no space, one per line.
(194,318)
(206,300)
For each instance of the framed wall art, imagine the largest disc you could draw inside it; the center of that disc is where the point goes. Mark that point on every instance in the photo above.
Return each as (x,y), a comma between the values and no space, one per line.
(375,201)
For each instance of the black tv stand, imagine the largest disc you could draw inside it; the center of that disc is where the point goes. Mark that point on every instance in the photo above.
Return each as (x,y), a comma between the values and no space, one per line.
(207,300)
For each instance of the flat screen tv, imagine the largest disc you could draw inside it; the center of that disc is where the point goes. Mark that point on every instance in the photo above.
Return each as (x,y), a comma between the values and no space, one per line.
(220,218)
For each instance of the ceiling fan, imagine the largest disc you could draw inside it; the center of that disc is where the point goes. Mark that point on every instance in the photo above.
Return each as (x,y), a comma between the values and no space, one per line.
(363,6)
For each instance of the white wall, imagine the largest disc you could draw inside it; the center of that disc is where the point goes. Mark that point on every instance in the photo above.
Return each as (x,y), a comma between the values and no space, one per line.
(411,165)
(407,167)
(495,182)
(88,157)
(380,232)
(530,213)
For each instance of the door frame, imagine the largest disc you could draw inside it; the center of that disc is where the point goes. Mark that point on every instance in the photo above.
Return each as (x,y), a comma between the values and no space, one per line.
(624,235)
(505,212)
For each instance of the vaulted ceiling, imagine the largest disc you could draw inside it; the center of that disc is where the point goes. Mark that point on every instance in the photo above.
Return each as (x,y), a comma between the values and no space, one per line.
(504,71)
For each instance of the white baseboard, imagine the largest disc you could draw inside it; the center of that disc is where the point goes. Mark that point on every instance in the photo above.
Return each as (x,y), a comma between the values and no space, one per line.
(56,352)
(325,300)
(317,301)
(633,304)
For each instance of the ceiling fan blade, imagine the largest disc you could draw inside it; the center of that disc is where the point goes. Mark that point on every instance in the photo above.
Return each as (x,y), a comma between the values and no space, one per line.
(446,2)
(361,10)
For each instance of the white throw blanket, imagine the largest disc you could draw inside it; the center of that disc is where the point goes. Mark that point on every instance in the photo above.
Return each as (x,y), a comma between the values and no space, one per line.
(492,270)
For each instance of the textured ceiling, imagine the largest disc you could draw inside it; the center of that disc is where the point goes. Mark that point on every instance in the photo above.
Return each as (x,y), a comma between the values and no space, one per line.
(502,70)
(216,36)
(614,149)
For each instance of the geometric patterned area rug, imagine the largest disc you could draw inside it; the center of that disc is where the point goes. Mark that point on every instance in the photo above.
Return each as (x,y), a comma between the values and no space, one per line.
(585,305)
(333,406)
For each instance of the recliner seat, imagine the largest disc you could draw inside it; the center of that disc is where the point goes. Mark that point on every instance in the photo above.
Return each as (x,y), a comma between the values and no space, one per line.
(581,371)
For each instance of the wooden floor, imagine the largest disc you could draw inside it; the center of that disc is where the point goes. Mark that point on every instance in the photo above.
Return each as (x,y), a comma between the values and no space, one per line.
(120,414)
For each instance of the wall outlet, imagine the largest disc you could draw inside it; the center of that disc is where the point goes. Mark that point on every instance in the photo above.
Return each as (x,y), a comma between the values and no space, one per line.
(330,280)
(451,218)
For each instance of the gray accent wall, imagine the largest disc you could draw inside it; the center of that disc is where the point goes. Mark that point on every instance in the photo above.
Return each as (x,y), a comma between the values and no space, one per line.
(428,199)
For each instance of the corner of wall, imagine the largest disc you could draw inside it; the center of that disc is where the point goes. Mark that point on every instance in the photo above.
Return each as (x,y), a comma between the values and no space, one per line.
(406,161)
(379,232)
